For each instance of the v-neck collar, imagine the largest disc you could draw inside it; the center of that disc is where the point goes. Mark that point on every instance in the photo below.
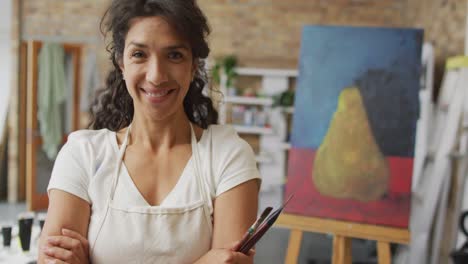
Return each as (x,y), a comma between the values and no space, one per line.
(132,186)
(127,178)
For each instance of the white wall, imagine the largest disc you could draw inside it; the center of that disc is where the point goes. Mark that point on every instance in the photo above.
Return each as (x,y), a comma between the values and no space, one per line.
(466,30)
(5,60)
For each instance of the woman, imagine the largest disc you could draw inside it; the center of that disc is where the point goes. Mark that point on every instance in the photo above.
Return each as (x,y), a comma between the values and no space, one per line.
(156,181)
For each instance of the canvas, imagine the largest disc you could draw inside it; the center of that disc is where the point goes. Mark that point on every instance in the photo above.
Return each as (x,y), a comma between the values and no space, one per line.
(354,124)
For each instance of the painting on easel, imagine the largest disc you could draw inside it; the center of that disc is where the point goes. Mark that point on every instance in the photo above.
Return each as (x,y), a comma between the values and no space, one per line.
(354,124)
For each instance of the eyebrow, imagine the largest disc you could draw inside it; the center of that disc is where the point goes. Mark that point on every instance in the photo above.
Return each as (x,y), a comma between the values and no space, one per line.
(139,45)
(172,47)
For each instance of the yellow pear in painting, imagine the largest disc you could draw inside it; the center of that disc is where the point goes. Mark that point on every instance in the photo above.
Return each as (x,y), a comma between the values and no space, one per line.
(349,163)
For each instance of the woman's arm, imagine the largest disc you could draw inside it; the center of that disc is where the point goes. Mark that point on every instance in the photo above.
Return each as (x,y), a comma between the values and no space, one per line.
(65,211)
(234,212)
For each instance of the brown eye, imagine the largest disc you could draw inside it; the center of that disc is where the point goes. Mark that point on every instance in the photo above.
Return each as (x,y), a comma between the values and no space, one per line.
(175,55)
(138,54)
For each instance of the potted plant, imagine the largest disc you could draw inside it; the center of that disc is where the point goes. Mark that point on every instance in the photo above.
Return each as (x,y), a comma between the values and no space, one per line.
(284,99)
(225,65)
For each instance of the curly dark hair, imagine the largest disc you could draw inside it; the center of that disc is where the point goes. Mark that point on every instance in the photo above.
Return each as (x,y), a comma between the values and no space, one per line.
(113,106)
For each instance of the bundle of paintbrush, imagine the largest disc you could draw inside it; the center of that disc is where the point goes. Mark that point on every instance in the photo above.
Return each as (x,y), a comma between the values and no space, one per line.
(259,228)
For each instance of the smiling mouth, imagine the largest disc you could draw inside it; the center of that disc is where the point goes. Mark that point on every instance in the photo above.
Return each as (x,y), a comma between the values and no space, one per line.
(158,94)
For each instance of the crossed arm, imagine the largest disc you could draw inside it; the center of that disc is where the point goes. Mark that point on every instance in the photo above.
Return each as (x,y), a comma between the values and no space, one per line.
(63,239)
(66,211)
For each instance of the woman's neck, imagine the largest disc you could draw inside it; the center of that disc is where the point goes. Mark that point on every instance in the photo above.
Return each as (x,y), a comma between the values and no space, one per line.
(154,135)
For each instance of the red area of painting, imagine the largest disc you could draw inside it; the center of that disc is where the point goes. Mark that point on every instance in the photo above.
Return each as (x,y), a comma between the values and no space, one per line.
(392,210)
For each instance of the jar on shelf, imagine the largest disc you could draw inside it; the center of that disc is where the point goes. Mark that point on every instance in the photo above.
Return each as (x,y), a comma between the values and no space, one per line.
(232,91)
(261,118)
(249,116)
(237,115)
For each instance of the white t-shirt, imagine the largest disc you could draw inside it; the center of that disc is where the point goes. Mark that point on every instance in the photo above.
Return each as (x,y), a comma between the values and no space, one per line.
(85,165)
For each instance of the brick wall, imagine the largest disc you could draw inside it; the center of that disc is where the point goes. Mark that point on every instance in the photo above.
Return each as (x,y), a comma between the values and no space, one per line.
(266,33)
(70,21)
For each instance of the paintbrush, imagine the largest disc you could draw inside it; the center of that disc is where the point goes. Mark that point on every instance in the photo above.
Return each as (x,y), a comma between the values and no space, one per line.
(253,228)
(262,229)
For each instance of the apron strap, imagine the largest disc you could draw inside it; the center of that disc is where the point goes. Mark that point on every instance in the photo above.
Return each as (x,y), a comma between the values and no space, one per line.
(115,178)
(119,166)
(200,181)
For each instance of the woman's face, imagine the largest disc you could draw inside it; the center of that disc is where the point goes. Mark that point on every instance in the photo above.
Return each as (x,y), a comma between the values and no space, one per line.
(157,66)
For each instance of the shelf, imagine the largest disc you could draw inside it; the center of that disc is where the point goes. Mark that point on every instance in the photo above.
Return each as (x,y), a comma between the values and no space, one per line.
(288,110)
(253,130)
(263,158)
(285,145)
(266,72)
(248,100)
(268,138)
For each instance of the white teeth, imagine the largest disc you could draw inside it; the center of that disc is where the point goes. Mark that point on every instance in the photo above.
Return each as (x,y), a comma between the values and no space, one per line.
(161,94)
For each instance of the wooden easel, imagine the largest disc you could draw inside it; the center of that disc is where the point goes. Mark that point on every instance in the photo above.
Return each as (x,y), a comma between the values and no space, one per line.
(342,233)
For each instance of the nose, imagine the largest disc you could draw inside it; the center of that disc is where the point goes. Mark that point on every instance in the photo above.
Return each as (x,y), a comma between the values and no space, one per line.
(156,72)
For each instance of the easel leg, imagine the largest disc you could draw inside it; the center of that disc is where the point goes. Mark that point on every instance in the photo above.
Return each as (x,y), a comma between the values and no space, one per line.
(341,250)
(294,246)
(383,252)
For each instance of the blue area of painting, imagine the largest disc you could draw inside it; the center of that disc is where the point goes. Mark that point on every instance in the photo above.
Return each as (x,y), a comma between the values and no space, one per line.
(333,58)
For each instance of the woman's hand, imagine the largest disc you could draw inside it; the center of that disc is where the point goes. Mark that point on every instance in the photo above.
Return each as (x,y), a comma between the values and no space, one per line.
(227,256)
(71,248)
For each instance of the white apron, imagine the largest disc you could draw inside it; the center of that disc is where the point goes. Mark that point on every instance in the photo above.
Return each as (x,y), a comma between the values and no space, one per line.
(152,234)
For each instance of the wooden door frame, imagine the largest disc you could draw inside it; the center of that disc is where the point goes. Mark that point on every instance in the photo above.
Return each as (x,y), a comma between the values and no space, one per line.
(22,100)
(34,200)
